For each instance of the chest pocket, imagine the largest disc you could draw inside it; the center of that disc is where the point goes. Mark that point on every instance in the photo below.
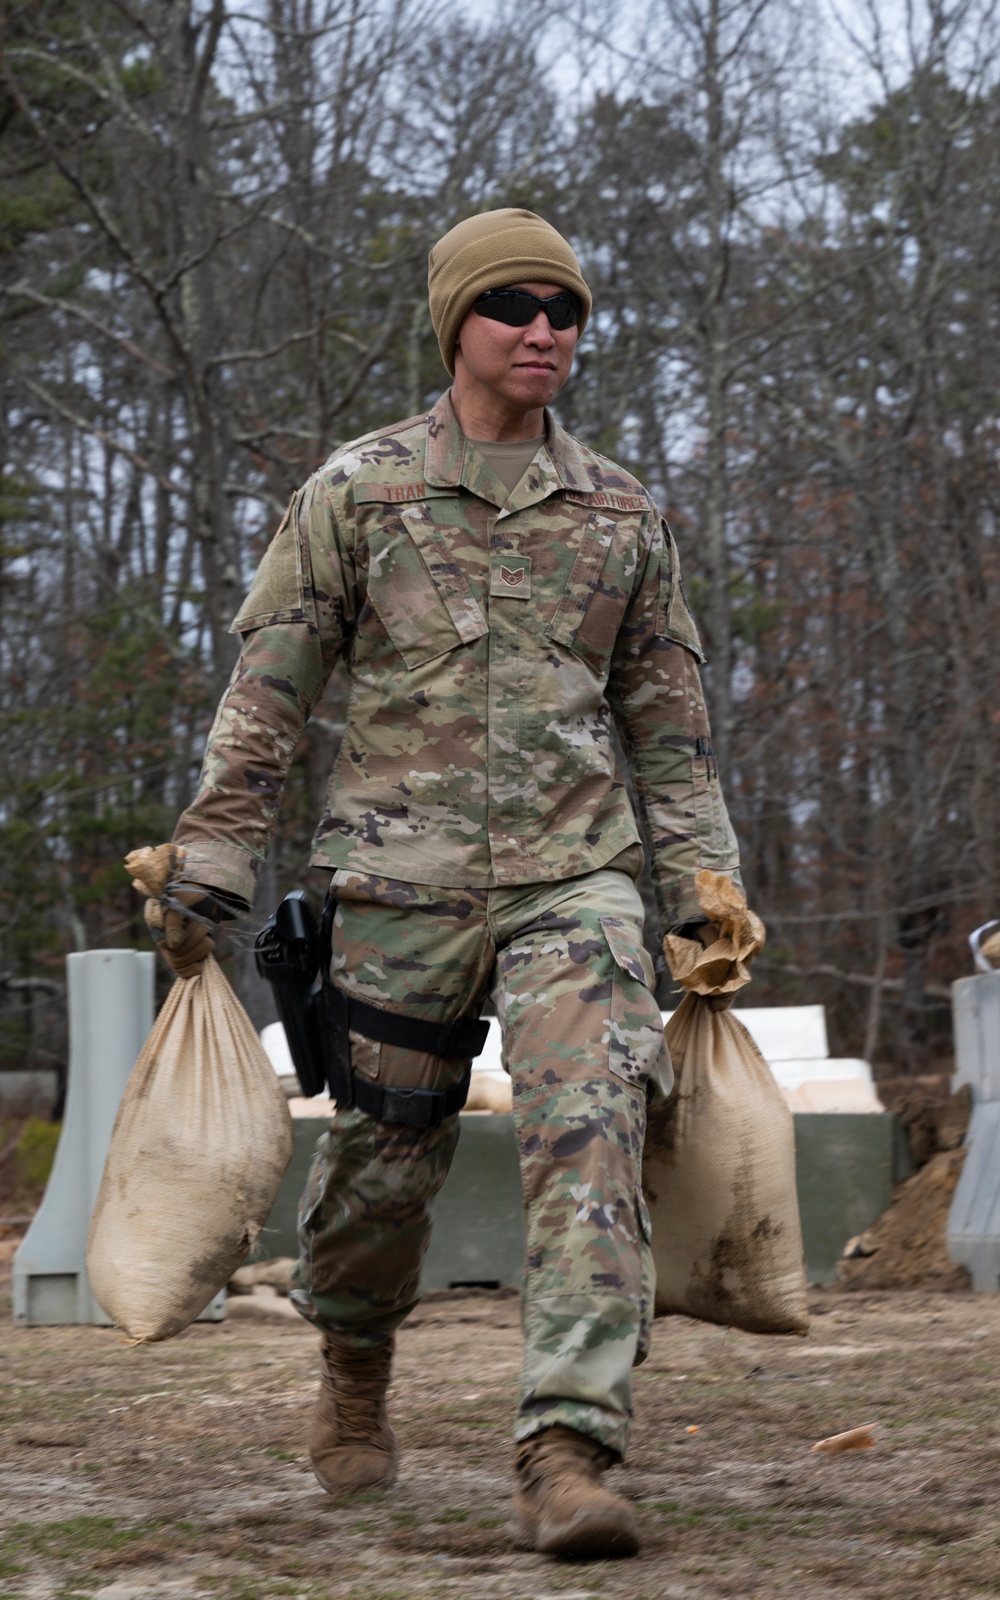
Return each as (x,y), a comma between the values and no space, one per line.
(418,589)
(590,612)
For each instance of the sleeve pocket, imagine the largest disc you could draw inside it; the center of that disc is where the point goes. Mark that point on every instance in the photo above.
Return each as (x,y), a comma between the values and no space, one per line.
(278,592)
(673,617)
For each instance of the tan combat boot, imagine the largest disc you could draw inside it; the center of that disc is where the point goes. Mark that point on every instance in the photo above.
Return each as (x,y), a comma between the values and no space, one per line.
(351,1445)
(559,1505)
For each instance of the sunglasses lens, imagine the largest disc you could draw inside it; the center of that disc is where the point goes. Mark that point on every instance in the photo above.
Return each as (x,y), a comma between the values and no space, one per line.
(511,306)
(563,311)
(516,308)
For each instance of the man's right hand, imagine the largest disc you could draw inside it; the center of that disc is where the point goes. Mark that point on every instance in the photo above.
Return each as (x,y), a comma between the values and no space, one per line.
(184,944)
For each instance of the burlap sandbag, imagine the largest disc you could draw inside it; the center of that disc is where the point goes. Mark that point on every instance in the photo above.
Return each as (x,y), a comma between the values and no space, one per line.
(199,1148)
(719,1159)
(990,949)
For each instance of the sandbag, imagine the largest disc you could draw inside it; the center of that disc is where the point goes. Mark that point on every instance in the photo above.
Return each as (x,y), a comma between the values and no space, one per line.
(719,1180)
(199,1148)
(990,949)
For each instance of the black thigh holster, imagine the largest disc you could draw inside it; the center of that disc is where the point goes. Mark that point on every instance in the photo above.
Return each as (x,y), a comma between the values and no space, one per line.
(412,1108)
(294,956)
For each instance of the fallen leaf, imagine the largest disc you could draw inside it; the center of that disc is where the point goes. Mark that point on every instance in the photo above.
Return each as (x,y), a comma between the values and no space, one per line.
(854,1439)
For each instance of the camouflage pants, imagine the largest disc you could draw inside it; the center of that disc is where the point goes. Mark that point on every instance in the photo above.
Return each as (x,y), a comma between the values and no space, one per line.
(582,1038)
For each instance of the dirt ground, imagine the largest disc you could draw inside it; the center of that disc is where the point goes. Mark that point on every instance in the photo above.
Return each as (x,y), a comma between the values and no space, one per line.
(179,1470)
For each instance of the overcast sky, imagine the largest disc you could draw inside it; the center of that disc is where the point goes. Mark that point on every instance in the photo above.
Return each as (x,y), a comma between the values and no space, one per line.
(851,43)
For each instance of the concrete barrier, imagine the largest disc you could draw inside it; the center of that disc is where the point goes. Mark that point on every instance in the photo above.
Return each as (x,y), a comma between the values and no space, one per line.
(846,1165)
(974,1219)
(110,1014)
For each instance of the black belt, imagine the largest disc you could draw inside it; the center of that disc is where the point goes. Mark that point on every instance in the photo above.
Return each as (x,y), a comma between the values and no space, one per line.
(412,1108)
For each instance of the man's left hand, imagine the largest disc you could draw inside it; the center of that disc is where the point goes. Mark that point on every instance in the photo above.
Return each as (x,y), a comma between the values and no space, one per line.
(712,957)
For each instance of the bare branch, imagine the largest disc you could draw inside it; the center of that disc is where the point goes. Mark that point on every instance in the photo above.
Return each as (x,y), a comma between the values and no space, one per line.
(86,426)
(22,291)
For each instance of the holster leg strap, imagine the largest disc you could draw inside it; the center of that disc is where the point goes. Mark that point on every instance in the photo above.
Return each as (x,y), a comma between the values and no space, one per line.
(413,1108)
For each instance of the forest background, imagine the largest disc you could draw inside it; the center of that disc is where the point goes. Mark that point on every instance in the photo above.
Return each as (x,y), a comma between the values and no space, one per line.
(214,220)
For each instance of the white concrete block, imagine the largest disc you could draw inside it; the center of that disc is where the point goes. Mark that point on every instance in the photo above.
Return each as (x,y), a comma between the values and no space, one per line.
(276,1049)
(792,1074)
(837,1095)
(784,1033)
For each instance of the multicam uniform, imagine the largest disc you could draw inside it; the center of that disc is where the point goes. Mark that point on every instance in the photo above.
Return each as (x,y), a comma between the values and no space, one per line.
(481,842)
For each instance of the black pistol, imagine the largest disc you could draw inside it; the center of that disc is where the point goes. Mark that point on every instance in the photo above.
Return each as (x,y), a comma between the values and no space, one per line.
(288,951)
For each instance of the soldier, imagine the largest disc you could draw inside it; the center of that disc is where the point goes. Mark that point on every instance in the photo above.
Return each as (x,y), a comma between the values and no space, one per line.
(500,592)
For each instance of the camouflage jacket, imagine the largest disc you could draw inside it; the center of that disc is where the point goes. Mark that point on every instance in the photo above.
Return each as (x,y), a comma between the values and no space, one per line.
(489,640)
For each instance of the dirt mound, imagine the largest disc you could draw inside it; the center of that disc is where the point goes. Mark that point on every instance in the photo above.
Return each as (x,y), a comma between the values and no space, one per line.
(907,1248)
(934,1118)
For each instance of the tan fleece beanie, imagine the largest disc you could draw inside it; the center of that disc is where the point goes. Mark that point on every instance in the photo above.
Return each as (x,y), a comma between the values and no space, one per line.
(490,251)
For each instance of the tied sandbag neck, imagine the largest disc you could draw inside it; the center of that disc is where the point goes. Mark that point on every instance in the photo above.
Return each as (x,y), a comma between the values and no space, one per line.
(723,967)
(209,918)
(157,874)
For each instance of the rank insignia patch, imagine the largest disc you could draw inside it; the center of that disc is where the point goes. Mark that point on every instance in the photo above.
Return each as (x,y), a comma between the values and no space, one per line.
(511,578)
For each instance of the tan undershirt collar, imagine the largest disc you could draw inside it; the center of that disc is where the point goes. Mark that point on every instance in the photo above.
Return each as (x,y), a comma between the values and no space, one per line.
(509,458)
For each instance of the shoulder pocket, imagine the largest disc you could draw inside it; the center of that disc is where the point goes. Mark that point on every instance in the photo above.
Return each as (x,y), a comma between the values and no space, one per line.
(279,590)
(673,617)
(417,587)
(590,613)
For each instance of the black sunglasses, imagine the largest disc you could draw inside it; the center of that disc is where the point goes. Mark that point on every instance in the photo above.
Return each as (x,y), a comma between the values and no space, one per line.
(518,307)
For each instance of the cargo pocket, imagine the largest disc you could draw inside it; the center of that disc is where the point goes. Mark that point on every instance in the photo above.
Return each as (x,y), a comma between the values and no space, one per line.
(636,1031)
(590,612)
(418,589)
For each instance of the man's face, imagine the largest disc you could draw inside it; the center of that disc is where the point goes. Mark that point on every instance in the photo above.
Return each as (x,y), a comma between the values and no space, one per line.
(523,367)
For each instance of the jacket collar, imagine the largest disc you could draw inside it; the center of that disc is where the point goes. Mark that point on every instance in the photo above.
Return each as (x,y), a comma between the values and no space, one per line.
(451,462)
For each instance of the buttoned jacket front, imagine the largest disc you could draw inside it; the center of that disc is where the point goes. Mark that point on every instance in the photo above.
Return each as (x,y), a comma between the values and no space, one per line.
(489,641)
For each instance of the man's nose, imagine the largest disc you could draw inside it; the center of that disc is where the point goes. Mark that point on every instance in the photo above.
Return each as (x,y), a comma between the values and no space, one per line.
(539,332)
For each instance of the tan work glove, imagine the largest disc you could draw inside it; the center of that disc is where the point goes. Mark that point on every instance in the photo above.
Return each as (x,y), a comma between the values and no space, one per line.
(183,942)
(717,962)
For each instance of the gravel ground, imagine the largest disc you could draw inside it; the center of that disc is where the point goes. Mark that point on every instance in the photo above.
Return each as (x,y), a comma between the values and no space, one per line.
(178,1470)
